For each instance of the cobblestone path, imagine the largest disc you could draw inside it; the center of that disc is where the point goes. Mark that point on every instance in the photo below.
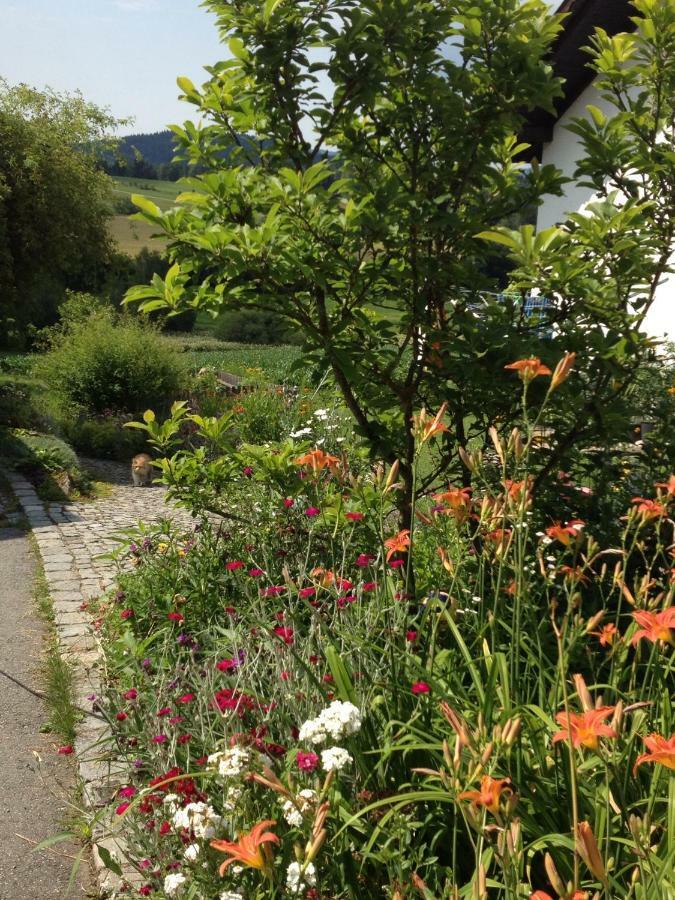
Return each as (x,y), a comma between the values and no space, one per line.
(71,538)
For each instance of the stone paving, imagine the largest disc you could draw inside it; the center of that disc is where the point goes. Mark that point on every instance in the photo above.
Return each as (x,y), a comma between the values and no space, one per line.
(71,538)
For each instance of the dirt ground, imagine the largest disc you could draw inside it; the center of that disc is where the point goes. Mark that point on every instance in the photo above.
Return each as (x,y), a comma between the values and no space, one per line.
(36,784)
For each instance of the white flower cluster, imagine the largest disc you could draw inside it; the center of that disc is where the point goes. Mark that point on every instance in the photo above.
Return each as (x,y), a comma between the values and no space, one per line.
(201,818)
(294,813)
(336,721)
(232,797)
(174,883)
(192,852)
(230,763)
(297,879)
(231,895)
(334,759)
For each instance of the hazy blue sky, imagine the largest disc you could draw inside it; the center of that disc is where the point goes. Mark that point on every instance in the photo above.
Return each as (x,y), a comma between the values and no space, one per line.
(125,54)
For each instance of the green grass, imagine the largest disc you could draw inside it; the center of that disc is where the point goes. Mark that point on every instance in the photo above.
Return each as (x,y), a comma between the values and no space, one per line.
(163,193)
(132,236)
(270,362)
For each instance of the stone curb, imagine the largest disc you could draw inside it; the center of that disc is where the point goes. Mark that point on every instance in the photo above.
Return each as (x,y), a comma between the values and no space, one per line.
(100,774)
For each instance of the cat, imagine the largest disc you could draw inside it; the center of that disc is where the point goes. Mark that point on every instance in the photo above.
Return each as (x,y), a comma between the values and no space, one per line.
(141,469)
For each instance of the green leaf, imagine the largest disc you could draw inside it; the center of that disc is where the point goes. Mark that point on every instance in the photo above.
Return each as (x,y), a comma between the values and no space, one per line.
(146,206)
(108,860)
(269,9)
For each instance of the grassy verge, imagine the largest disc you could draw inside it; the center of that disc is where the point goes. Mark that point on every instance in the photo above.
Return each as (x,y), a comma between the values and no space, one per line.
(56,671)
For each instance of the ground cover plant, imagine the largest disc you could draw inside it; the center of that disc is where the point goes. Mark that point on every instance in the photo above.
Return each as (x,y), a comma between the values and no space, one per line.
(314,702)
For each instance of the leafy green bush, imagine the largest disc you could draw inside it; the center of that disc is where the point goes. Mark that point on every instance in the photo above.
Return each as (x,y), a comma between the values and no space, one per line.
(106,363)
(105,438)
(253,326)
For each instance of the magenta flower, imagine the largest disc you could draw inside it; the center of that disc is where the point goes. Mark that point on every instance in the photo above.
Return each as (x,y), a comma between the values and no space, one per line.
(354,516)
(306,592)
(159,739)
(122,808)
(307,762)
(255,573)
(131,694)
(288,502)
(312,511)
(420,687)
(234,565)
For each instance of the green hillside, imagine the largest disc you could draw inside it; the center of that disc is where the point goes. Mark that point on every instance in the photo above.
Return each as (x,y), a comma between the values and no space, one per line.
(132,236)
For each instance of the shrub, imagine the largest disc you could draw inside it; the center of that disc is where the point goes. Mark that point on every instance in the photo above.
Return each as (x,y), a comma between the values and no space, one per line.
(253,326)
(106,363)
(104,438)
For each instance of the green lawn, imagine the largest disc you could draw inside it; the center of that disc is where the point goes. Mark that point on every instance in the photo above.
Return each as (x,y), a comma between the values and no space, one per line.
(163,193)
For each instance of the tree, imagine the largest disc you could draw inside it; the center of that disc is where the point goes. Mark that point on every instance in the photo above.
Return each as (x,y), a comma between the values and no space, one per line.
(54,203)
(377,250)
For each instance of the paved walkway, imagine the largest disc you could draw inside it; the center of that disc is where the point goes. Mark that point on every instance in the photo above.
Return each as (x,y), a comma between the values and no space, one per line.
(71,538)
(37,784)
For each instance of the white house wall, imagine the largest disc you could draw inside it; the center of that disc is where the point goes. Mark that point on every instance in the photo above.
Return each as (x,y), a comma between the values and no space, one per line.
(564,151)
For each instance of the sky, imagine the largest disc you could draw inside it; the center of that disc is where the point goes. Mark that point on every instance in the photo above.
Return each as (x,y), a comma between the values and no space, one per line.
(121,54)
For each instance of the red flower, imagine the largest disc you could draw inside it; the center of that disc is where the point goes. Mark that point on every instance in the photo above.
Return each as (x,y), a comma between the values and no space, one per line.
(411,636)
(65,750)
(127,792)
(306,592)
(369,585)
(288,502)
(164,828)
(159,739)
(184,738)
(233,566)
(312,511)
(145,890)
(121,716)
(355,516)
(186,698)
(175,617)
(363,560)
(654,626)
(273,590)
(255,573)
(285,633)
(127,614)
(307,762)
(164,711)
(420,687)
(131,694)
(122,808)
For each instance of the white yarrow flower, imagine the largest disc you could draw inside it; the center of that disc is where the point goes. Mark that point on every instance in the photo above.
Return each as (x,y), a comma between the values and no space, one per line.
(173,884)
(201,818)
(338,720)
(231,895)
(192,852)
(297,879)
(334,759)
(293,813)
(230,763)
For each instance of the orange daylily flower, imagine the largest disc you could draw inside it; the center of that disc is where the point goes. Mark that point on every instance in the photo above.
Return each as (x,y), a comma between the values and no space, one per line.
(649,509)
(425,427)
(251,849)
(515,490)
(566,534)
(400,543)
(607,634)
(668,486)
(317,460)
(528,369)
(458,501)
(661,751)
(584,729)
(490,793)
(562,370)
(654,626)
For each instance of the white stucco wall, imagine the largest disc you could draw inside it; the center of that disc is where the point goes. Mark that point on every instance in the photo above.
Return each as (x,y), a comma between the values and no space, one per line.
(564,151)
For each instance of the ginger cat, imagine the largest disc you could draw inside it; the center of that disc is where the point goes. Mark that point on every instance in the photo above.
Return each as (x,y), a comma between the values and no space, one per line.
(141,469)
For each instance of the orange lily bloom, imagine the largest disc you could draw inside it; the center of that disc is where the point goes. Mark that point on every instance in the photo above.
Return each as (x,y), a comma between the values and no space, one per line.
(427,428)
(649,509)
(661,751)
(251,849)
(566,534)
(528,369)
(606,635)
(317,460)
(400,543)
(458,501)
(668,486)
(490,793)
(562,370)
(654,626)
(584,729)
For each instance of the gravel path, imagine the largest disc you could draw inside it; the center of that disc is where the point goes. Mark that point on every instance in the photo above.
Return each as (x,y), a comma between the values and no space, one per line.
(36,782)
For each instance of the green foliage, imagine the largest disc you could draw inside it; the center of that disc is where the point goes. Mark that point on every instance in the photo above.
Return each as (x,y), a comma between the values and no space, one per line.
(250,326)
(104,438)
(380,251)
(54,204)
(108,364)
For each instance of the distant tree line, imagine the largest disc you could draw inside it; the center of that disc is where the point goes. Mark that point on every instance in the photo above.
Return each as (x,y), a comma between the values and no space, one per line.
(148,156)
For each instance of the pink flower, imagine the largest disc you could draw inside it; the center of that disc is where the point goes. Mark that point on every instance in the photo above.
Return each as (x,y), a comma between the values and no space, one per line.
(159,739)
(307,762)
(273,590)
(288,502)
(127,792)
(131,694)
(121,716)
(122,808)
(285,633)
(186,698)
(306,592)
(397,563)
(369,585)
(354,516)
(255,573)
(247,471)
(234,565)
(420,687)
(175,617)
(175,720)
(285,676)
(65,751)
(411,636)
(363,560)
(312,511)
(164,711)
(127,614)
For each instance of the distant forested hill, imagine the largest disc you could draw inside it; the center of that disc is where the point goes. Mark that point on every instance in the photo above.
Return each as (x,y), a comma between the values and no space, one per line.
(157,149)
(145,156)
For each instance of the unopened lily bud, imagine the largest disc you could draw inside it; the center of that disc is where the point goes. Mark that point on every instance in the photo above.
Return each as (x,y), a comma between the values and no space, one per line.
(587,848)
(494,437)
(449,762)
(617,718)
(482,883)
(594,621)
(583,693)
(562,370)
(467,459)
(487,753)
(391,477)
(511,731)
(557,883)
(515,444)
